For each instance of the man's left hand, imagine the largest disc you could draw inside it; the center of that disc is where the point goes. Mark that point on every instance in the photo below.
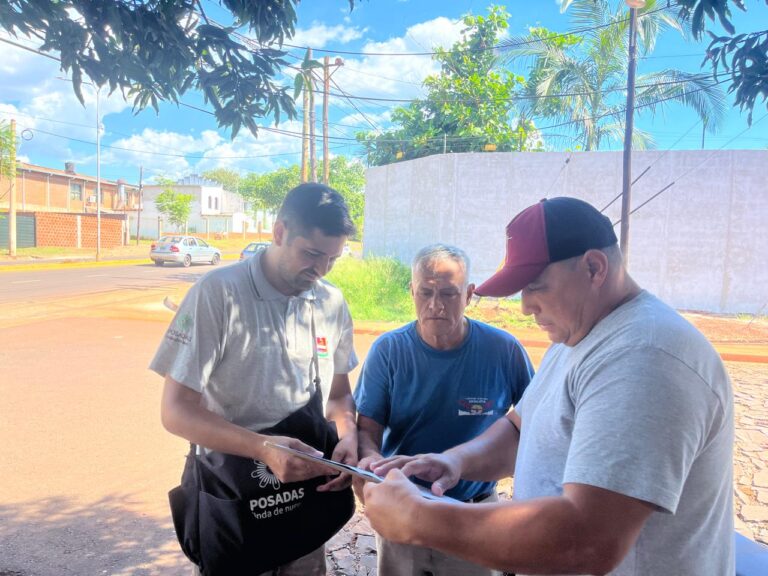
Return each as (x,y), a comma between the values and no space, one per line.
(345,452)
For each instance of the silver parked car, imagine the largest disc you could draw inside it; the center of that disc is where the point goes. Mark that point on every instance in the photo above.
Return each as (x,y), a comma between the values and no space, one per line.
(252,248)
(183,250)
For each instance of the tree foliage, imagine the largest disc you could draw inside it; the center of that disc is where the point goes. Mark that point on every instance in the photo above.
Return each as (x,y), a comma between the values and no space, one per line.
(580,81)
(174,205)
(229,179)
(153,50)
(7,150)
(267,191)
(348,179)
(748,53)
(468,103)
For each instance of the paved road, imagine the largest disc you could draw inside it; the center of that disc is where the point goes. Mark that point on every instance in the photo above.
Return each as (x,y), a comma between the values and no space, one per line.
(25,285)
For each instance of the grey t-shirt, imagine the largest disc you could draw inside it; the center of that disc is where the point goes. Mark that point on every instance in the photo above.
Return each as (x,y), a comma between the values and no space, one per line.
(642,406)
(247,347)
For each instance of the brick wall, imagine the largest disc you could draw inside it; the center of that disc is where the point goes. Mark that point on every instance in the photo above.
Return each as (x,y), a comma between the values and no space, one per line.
(55,229)
(60,229)
(111,230)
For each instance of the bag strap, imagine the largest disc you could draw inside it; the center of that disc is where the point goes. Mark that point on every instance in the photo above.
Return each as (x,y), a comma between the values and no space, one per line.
(315,363)
(314,366)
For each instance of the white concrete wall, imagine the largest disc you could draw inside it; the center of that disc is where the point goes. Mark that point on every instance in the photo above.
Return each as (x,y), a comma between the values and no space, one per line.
(700,245)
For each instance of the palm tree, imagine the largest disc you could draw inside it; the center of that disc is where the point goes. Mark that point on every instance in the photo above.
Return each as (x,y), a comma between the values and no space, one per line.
(590,71)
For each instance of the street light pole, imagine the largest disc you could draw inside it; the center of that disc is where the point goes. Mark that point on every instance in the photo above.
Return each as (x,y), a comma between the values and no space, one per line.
(626,189)
(98,177)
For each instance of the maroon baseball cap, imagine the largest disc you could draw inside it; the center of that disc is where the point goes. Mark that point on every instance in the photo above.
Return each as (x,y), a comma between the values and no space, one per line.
(552,230)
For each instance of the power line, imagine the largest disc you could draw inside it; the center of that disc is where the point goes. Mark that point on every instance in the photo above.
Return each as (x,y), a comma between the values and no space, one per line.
(684,174)
(28,49)
(567,161)
(616,112)
(647,168)
(623,110)
(487,48)
(693,78)
(188,156)
(376,128)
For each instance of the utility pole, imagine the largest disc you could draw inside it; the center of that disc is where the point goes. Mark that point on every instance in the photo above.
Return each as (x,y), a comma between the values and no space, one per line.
(326,89)
(326,92)
(626,189)
(141,203)
(12,193)
(312,147)
(98,176)
(305,126)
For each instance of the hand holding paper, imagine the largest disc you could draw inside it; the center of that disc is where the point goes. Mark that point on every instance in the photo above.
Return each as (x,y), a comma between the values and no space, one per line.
(353,470)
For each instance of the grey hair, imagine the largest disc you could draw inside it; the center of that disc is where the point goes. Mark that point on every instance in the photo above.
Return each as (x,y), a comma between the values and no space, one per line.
(428,255)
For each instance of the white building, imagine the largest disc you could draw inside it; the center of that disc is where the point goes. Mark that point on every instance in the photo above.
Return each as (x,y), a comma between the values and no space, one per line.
(214,210)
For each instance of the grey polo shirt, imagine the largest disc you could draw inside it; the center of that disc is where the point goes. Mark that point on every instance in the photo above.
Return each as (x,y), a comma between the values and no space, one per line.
(247,348)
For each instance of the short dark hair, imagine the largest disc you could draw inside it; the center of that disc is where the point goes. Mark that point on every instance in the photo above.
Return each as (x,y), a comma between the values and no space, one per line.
(313,205)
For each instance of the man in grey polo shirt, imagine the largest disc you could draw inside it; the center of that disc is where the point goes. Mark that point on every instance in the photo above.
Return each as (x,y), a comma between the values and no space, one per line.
(239,355)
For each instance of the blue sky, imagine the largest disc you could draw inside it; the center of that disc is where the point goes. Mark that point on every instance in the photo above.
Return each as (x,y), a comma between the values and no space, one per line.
(180,141)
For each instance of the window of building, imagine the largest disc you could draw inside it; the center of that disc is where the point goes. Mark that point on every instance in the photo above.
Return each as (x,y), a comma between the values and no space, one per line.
(217,203)
(75,191)
(209,202)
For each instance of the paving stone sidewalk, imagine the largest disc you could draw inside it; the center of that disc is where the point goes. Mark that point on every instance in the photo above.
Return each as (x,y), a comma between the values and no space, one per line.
(352,552)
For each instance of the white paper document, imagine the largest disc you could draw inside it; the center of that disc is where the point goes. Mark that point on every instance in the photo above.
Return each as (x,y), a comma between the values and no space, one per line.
(366,475)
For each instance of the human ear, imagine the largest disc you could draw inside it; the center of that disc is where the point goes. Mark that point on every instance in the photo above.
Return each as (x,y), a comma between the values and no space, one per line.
(597,265)
(470,292)
(278,232)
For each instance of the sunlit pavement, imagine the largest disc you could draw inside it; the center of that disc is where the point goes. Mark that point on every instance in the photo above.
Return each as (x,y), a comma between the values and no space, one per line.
(87,464)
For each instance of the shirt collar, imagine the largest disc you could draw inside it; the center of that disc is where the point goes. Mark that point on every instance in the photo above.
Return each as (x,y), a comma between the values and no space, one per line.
(264,289)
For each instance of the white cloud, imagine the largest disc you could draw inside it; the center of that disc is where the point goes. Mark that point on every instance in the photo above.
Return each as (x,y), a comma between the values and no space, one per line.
(318,35)
(175,155)
(396,76)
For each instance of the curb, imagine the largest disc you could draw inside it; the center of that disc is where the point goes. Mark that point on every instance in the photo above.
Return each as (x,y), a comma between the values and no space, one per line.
(727,356)
(78,262)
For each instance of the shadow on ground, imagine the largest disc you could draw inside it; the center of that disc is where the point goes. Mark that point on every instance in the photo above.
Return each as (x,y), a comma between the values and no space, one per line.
(57,536)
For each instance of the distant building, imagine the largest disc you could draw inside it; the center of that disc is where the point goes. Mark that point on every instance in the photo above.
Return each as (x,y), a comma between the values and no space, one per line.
(214,210)
(58,208)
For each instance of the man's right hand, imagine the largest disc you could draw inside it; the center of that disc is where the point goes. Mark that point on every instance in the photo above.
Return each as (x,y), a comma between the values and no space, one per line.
(443,470)
(288,468)
(357,482)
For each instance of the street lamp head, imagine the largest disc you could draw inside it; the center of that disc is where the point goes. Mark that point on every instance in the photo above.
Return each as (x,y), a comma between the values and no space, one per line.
(635,3)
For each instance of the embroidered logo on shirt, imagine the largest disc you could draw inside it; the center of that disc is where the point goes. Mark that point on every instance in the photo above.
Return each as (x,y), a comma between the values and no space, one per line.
(322,347)
(181,328)
(475,407)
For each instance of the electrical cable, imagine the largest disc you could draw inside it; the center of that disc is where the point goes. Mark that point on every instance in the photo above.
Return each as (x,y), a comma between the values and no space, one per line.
(644,172)
(684,174)
(487,48)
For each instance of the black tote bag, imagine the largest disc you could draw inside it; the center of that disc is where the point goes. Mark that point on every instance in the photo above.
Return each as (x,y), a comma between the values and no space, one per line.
(233,517)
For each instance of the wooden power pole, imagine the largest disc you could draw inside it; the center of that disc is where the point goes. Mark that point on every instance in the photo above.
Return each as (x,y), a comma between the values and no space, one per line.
(326,91)
(305,126)
(141,202)
(12,193)
(312,147)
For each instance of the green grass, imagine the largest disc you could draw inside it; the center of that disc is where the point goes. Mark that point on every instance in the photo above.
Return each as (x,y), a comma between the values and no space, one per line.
(376,289)
(505,314)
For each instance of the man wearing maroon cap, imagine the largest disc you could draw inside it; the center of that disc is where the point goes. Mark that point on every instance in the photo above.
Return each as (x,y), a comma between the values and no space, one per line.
(621,446)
